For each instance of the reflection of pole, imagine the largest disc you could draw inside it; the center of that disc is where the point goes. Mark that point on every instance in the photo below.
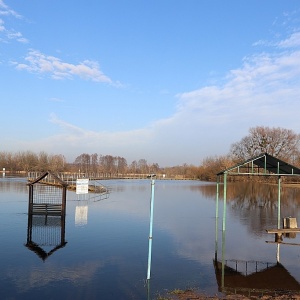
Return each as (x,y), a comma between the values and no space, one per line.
(278,219)
(278,253)
(151,225)
(217,218)
(224,228)
(148,289)
(223,262)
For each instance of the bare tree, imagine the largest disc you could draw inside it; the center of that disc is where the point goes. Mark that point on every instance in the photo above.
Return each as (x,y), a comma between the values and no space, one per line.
(94,162)
(154,168)
(133,167)
(27,161)
(57,163)
(211,166)
(107,163)
(83,162)
(121,165)
(279,142)
(143,166)
(43,161)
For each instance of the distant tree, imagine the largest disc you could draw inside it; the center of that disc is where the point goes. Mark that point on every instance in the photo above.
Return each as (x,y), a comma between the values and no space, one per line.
(133,168)
(8,161)
(57,163)
(154,168)
(108,163)
(83,162)
(27,161)
(279,142)
(42,161)
(143,166)
(121,164)
(211,166)
(94,162)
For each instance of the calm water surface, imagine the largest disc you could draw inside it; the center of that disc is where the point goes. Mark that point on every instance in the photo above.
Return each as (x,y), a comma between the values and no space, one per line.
(106,250)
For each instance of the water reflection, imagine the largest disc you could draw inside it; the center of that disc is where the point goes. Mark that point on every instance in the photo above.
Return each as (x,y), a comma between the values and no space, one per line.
(46,218)
(81,214)
(253,278)
(45,234)
(106,253)
(255,206)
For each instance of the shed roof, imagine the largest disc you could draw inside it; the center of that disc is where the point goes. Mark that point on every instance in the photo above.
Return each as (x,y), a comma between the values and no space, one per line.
(263,164)
(60,181)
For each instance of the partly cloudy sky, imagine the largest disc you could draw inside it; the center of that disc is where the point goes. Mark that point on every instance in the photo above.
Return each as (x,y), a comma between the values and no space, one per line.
(171,82)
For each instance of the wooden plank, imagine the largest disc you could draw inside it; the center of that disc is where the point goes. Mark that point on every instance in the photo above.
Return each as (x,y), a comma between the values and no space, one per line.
(283,243)
(46,209)
(283,230)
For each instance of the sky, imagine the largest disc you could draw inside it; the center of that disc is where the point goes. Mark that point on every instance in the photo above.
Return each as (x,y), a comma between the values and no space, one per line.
(172,82)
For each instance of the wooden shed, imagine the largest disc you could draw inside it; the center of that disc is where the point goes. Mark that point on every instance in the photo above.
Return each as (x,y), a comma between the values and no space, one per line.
(47,197)
(46,215)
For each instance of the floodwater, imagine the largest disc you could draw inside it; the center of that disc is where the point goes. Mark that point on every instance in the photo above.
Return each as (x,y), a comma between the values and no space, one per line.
(100,250)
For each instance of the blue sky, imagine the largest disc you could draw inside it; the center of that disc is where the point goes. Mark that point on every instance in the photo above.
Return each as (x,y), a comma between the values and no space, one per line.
(171,82)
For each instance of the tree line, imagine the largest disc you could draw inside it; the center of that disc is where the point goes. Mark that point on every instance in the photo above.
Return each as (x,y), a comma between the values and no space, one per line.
(279,142)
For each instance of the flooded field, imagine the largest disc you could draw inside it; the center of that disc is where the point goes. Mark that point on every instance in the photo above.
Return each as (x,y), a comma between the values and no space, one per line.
(100,249)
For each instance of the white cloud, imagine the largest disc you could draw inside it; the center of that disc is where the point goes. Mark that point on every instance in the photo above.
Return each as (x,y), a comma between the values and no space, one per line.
(292,41)
(37,62)
(2,28)
(16,36)
(6,11)
(261,82)
(9,33)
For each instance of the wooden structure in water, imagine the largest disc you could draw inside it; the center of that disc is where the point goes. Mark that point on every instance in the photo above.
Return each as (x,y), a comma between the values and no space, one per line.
(47,199)
(275,277)
(261,165)
(46,216)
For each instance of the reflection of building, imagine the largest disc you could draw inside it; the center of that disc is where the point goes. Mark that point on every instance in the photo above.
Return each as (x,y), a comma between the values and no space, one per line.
(46,216)
(45,234)
(268,280)
(253,278)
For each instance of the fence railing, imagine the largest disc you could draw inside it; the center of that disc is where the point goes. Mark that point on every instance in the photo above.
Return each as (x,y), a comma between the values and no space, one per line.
(71,177)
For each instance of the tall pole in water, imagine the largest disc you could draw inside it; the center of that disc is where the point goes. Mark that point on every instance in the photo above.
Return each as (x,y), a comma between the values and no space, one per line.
(152,176)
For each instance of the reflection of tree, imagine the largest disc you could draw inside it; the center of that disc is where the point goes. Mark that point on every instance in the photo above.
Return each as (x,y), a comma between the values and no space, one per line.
(10,184)
(256,202)
(207,190)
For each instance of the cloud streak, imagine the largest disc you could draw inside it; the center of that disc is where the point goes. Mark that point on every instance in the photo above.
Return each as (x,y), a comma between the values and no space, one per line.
(6,11)
(39,63)
(9,34)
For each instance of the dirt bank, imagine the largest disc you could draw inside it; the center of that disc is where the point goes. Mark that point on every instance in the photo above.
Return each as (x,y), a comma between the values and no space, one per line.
(192,295)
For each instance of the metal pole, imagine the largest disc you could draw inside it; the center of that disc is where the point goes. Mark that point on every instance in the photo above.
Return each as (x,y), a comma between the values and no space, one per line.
(217,218)
(279,188)
(223,232)
(224,201)
(151,225)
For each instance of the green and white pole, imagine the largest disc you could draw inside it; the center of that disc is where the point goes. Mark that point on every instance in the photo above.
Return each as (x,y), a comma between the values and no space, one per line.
(152,176)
